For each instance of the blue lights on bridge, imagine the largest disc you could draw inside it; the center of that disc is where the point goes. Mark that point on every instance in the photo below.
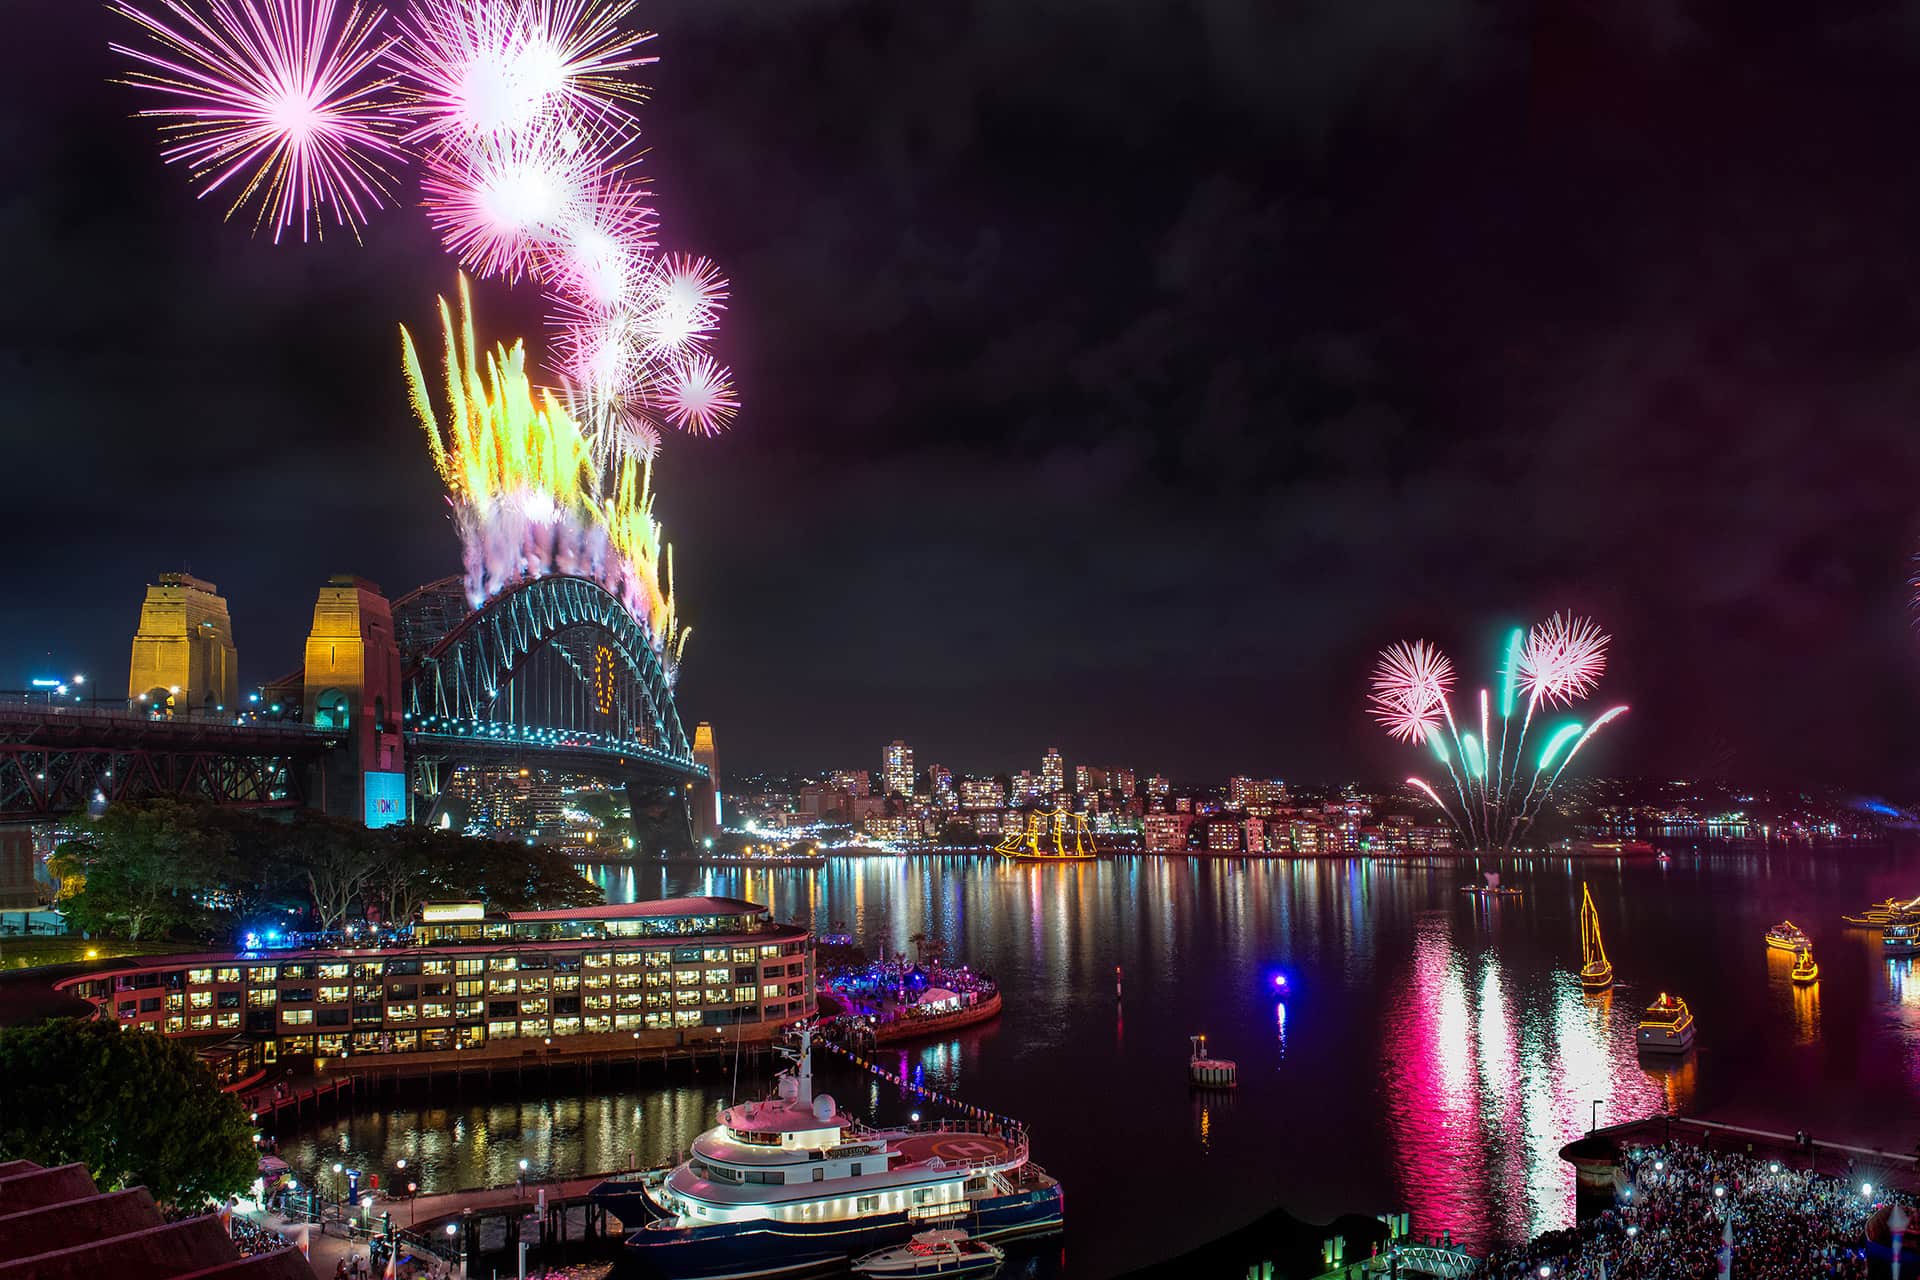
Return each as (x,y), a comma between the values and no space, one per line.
(553,739)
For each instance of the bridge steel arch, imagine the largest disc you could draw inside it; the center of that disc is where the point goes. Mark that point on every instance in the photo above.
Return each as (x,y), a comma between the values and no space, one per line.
(460,675)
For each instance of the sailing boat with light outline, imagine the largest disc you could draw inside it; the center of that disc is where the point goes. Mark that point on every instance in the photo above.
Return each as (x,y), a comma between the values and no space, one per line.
(1596,973)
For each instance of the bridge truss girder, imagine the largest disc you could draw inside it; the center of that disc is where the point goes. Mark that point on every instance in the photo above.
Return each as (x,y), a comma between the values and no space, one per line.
(574,634)
(39,781)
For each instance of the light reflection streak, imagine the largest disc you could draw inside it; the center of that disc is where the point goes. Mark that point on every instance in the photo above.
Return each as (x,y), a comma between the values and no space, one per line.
(1484,1091)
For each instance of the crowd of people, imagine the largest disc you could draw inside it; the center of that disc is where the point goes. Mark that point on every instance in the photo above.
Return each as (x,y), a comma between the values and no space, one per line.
(252,1238)
(1670,1217)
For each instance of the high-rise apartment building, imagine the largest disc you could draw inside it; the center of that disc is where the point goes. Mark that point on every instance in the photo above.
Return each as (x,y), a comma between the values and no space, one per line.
(1123,784)
(897,768)
(940,782)
(1256,795)
(982,793)
(855,782)
(1053,774)
(1088,781)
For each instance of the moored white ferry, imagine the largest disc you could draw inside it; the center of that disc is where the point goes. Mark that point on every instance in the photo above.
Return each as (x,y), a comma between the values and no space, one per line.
(795,1186)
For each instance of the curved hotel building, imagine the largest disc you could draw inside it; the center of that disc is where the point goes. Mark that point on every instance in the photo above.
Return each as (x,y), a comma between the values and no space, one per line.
(580,980)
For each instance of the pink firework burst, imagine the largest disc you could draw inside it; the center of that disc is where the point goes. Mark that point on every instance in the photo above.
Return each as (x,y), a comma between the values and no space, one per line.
(1563,660)
(603,258)
(501,200)
(273,100)
(478,67)
(685,297)
(1411,682)
(638,435)
(596,352)
(698,395)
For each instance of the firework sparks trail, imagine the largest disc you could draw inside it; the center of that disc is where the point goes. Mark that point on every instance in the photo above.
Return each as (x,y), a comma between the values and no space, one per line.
(276,101)
(528,495)
(522,114)
(1559,662)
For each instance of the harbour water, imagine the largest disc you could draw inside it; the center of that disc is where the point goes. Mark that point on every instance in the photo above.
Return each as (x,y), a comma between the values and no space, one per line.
(1431,1052)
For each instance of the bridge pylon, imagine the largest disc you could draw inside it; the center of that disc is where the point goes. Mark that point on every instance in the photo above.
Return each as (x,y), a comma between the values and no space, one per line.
(184,662)
(352,684)
(703,795)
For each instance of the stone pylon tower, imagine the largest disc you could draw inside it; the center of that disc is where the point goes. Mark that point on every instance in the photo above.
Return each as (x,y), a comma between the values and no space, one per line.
(704,797)
(184,661)
(352,686)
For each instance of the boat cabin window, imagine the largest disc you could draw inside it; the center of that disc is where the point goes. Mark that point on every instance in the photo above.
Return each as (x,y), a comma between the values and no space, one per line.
(819,1174)
(867,1204)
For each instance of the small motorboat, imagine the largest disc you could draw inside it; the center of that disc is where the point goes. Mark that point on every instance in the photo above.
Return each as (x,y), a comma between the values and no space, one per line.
(934,1253)
(1788,936)
(1666,1027)
(1804,969)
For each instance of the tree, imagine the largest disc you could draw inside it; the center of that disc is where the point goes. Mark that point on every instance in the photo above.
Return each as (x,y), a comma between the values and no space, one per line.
(415,865)
(137,1110)
(335,862)
(524,877)
(958,832)
(144,871)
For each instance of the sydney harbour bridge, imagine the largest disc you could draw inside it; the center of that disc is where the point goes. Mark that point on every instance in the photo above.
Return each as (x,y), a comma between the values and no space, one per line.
(390,698)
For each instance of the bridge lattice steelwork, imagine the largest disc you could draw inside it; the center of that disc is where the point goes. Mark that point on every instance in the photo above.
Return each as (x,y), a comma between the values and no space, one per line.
(56,760)
(555,668)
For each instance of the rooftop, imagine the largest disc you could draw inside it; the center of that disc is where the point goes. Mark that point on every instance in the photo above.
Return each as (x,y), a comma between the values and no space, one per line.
(668,907)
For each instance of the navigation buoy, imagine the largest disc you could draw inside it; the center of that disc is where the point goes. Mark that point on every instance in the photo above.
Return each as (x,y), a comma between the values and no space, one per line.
(1210,1073)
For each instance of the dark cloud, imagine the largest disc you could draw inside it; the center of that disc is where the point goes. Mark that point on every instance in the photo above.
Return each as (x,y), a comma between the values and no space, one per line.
(1119,374)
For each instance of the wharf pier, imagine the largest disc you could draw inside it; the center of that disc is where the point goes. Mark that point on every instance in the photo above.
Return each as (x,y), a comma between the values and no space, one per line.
(1595,1157)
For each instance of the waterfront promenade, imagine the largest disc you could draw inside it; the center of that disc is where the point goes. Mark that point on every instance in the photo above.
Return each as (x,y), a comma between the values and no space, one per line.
(421,1222)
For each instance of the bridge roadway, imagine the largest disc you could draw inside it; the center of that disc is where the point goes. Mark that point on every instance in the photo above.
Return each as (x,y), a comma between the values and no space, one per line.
(55,757)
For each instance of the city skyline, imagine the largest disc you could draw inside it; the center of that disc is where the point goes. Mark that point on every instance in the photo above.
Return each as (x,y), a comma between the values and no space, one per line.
(1286,484)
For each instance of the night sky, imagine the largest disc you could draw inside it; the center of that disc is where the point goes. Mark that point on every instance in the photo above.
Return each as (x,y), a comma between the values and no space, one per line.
(1119,375)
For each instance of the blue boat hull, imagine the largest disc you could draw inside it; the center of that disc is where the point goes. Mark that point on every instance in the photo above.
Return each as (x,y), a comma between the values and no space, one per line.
(751,1250)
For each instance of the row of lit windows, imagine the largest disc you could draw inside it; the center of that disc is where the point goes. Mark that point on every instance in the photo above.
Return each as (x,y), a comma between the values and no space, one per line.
(439,1038)
(363,971)
(443,967)
(540,1006)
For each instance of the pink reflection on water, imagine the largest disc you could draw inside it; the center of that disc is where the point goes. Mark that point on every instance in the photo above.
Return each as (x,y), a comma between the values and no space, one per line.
(1488,1073)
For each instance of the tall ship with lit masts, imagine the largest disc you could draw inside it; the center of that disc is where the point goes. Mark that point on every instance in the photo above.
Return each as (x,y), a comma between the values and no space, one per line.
(794,1186)
(1596,971)
(1051,835)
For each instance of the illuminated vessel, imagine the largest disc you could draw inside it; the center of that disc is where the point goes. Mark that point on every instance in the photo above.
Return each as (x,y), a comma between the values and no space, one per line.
(1666,1027)
(934,1253)
(794,1186)
(1604,849)
(1804,969)
(1901,937)
(1788,936)
(1491,889)
(1051,835)
(1596,972)
(1880,913)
